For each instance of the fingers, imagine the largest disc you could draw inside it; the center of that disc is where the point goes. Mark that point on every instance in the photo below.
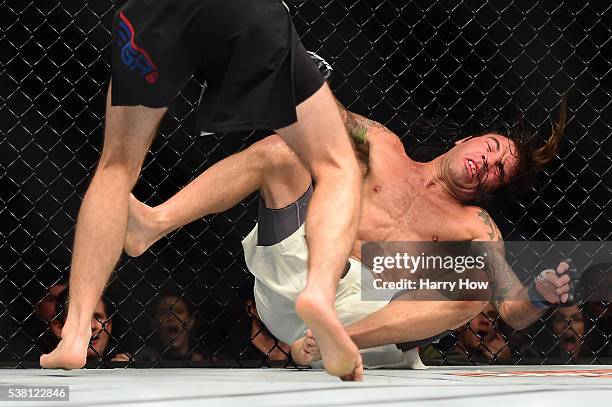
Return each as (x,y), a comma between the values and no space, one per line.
(563,267)
(309,345)
(299,355)
(561,285)
(559,281)
(562,290)
(305,350)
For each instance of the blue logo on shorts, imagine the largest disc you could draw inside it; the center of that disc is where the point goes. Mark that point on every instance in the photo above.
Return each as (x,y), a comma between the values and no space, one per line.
(134,57)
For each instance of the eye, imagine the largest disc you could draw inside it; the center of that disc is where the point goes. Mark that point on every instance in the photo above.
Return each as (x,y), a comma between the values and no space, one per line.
(488,146)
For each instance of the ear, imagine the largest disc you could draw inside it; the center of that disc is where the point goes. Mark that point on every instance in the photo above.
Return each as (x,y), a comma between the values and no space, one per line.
(463,140)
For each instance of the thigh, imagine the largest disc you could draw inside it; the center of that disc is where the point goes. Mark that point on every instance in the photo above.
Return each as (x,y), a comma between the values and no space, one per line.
(155,51)
(319,136)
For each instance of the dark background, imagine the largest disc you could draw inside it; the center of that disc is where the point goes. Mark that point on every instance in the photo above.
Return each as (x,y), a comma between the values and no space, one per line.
(394,61)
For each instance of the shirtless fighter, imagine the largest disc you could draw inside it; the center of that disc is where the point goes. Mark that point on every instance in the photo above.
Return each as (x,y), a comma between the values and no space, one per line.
(403,200)
(259,76)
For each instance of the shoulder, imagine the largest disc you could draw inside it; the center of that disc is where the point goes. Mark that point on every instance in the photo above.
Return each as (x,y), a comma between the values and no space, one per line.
(375,131)
(481,224)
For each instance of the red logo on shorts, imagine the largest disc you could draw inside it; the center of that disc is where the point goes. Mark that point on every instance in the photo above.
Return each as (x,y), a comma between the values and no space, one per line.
(134,57)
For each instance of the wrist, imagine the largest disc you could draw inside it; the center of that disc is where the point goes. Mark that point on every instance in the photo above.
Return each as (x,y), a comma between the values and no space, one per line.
(537,299)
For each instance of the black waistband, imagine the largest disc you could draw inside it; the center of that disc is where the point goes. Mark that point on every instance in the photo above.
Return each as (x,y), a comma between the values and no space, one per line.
(275,225)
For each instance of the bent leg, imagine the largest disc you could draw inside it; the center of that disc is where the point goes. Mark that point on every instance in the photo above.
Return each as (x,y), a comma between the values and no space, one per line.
(320,140)
(101,224)
(268,165)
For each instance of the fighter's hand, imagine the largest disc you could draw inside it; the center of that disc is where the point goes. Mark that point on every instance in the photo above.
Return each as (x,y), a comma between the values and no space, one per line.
(554,285)
(304,351)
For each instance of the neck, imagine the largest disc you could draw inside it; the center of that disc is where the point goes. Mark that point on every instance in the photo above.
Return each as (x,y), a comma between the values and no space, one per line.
(437,180)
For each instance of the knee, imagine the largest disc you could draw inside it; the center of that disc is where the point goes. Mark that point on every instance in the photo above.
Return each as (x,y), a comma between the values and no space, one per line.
(119,165)
(274,157)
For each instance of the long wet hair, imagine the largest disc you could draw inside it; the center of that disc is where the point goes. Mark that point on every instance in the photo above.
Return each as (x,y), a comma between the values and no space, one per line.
(532,152)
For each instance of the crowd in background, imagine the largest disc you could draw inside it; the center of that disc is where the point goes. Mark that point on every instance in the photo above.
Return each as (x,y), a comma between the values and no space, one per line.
(567,334)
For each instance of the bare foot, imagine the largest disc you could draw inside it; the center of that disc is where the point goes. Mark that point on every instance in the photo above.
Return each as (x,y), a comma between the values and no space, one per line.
(141,231)
(70,353)
(340,355)
(305,350)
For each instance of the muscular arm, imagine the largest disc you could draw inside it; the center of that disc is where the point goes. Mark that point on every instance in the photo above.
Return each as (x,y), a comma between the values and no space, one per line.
(511,297)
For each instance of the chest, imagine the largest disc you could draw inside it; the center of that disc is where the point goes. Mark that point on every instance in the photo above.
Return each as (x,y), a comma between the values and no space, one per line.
(399,208)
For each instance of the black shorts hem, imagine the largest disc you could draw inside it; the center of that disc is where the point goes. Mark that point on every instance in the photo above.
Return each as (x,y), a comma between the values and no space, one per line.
(256,69)
(220,128)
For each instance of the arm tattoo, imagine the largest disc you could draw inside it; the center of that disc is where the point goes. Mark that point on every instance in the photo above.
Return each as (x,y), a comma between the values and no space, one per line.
(486,219)
(356,125)
(500,274)
(355,128)
(503,280)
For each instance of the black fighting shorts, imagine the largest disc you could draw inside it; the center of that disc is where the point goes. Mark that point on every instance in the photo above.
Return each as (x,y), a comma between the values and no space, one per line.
(255,67)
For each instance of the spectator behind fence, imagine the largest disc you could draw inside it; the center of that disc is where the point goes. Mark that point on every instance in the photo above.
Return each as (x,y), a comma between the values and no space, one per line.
(597,290)
(262,339)
(481,337)
(174,323)
(101,329)
(479,340)
(568,325)
(45,311)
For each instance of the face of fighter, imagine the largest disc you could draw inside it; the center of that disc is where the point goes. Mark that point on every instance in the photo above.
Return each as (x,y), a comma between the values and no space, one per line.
(174,322)
(568,324)
(479,164)
(101,328)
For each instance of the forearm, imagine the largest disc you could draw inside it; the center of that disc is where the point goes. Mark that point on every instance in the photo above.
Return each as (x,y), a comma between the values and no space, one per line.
(520,313)
(404,321)
(510,296)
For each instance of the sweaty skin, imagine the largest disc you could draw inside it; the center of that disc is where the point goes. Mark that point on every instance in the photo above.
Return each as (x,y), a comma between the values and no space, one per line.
(402,200)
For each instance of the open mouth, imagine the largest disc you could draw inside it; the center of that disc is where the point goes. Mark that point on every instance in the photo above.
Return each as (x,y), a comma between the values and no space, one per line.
(570,342)
(570,339)
(471,167)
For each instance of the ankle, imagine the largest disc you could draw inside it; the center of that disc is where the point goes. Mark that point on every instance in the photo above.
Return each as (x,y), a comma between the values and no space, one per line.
(159,221)
(74,329)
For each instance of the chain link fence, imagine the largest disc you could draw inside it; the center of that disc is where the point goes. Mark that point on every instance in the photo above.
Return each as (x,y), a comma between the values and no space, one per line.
(189,298)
